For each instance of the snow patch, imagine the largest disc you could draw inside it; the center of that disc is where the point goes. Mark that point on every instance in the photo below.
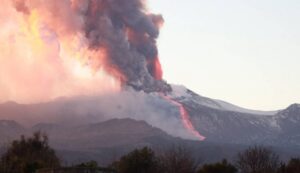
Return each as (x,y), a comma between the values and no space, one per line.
(181,92)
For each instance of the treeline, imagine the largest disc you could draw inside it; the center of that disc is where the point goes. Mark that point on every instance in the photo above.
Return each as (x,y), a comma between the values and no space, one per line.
(257,159)
(33,155)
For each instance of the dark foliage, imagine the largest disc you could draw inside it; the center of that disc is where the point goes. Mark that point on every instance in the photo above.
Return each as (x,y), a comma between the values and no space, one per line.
(26,155)
(90,164)
(177,160)
(220,167)
(138,161)
(258,159)
(293,166)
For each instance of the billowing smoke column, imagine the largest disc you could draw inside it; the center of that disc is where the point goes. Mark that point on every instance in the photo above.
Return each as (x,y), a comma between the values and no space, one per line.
(114,36)
(124,30)
(128,33)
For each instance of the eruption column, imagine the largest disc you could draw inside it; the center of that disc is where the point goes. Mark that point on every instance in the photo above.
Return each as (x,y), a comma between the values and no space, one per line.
(79,47)
(185,118)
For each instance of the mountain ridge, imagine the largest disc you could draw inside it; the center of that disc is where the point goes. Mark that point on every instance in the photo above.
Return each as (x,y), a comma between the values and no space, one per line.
(105,139)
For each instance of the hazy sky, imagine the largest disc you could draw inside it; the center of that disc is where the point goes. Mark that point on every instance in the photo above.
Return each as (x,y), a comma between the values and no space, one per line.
(245,52)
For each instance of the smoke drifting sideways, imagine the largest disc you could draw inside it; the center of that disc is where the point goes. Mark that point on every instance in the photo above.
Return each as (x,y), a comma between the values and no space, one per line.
(72,46)
(87,110)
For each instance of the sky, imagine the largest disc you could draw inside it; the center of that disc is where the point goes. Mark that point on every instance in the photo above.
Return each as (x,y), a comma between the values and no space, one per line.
(244,52)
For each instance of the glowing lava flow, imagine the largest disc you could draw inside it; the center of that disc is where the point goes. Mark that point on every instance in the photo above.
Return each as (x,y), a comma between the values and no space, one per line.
(158,73)
(185,117)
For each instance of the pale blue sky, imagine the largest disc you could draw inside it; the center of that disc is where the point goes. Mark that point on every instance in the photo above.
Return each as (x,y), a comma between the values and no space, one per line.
(246,52)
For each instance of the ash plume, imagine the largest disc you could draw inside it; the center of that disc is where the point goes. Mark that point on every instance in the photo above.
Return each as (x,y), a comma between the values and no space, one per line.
(61,48)
(73,47)
(124,29)
(129,35)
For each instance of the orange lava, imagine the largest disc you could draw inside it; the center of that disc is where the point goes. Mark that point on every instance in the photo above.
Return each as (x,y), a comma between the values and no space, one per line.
(158,73)
(185,118)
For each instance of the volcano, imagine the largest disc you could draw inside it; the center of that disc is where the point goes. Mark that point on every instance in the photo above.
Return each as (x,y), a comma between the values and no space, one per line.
(100,127)
(88,73)
(110,42)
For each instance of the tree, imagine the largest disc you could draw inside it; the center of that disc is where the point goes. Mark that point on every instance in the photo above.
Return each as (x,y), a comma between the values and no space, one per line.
(26,155)
(138,161)
(220,167)
(258,159)
(177,160)
(90,164)
(293,166)
(91,167)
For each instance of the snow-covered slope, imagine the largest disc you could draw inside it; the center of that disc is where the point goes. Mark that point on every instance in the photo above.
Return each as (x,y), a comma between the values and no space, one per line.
(180,91)
(220,121)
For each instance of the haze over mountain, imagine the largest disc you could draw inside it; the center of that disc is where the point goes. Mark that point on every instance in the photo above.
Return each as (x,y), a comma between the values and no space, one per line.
(88,125)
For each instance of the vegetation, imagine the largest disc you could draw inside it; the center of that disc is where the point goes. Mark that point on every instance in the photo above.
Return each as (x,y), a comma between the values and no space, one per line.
(177,160)
(26,155)
(255,159)
(90,167)
(90,164)
(258,159)
(138,161)
(293,166)
(220,167)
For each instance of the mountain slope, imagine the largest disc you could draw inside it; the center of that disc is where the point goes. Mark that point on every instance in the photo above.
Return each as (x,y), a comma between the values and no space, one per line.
(184,93)
(219,121)
(220,124)
(10,130)
(107,134)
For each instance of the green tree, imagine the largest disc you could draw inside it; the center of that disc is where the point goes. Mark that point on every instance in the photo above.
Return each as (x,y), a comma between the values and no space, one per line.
(220,167)
(138,161)
(258,159)
(26,155)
